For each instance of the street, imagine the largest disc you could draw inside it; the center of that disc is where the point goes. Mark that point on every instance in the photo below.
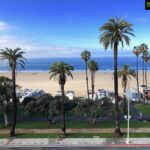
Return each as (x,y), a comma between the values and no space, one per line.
(77,148)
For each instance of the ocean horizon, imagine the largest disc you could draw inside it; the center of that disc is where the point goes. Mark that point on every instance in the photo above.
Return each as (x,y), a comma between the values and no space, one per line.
(105,63)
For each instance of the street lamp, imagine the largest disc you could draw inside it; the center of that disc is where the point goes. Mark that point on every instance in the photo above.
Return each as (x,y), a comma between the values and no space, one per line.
(128,117)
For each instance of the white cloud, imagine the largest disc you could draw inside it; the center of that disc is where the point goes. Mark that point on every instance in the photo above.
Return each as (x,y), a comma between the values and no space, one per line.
(42,50)
(141,19)
(4,26)
(34,49)
(12,41)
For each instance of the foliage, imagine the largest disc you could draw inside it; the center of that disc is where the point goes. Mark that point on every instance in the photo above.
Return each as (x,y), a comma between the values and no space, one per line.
(126,73)
(5,97)
(144,49)
(27,100)
(5,92)
(115,30)
(85,55)
(95,109)
(136,51)
(46,105)
(93,67)
(15,59)
(60,70)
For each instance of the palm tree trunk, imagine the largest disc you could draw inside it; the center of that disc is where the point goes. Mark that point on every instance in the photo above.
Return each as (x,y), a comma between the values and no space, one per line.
(87,83)
(117,117)
(92,84)
(146,75)
(63,111)
(143,80)
(12,132)
(6,120)
(124,106)
(137,76)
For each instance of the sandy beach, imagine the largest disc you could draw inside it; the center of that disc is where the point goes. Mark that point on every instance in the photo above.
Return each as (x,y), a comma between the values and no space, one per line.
(41,80)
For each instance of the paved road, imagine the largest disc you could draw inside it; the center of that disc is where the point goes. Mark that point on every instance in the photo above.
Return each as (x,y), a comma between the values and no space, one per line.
(77,148)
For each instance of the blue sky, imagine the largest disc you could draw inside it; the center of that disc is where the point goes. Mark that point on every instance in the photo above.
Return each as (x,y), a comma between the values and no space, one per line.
(63,28)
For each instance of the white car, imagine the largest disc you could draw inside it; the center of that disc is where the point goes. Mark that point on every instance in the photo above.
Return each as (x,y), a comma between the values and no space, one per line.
(70,95)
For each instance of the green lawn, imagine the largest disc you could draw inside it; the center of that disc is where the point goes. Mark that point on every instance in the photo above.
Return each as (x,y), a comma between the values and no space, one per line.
(77,135)
(144,108)
(81,124)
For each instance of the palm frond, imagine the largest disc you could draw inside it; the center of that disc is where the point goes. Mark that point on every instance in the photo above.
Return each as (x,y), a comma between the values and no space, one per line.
(115,30)
(60,70)
(14,57)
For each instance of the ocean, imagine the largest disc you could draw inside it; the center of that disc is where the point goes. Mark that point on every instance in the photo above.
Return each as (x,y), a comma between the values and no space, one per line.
(105,64)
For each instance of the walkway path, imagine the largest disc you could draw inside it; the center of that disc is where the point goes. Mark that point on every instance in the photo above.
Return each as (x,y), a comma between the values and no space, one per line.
(67,143)
(70,130)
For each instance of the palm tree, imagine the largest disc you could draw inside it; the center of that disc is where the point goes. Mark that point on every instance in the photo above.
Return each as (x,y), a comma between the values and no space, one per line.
(144,50)
(146,59)
(137,52)
(114,32)
(15,59)
(125,74)
(93,67)
(61,70)
(85,55)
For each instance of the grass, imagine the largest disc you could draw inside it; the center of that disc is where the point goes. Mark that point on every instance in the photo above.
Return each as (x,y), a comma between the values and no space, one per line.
(31,136)
(144,108)
(81,124)
(77,135)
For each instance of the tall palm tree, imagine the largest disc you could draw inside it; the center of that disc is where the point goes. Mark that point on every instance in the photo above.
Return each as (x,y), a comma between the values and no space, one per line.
(146,60)
(85,55)
(15,59)
(137,52)
(144,50)
(126,73)
(93,67)
(60,71)
(115,32)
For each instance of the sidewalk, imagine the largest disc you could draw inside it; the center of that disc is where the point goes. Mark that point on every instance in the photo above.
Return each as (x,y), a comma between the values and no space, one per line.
(70,130)
(74,142)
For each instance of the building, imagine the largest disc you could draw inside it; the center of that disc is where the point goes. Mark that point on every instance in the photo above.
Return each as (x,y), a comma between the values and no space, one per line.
(69,94)
(101,93)
(132,94)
